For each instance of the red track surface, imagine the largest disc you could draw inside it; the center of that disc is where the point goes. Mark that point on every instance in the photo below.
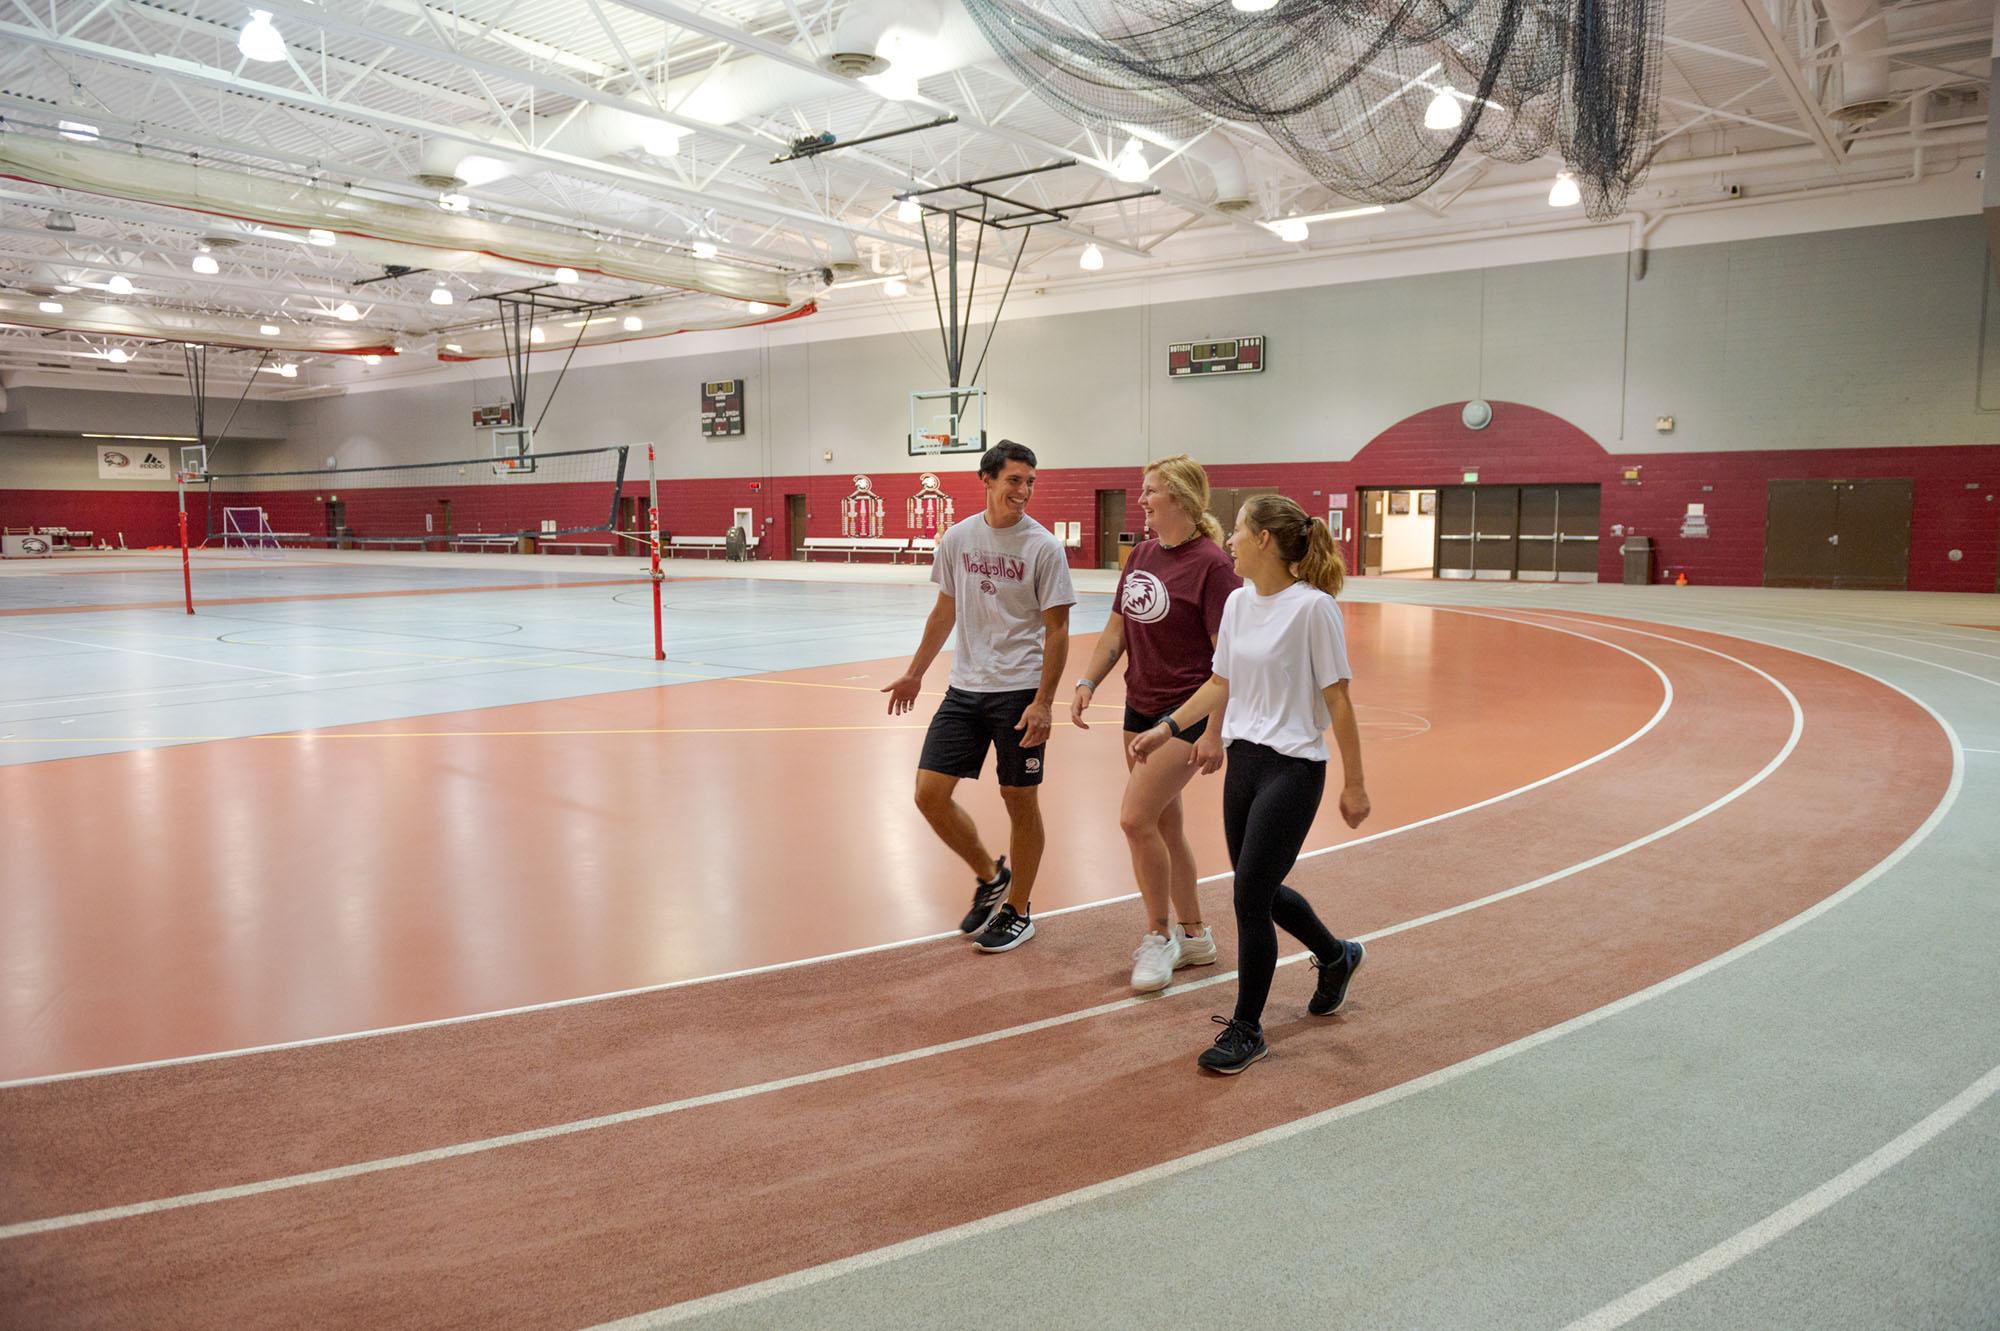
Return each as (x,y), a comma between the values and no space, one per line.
(675,1205)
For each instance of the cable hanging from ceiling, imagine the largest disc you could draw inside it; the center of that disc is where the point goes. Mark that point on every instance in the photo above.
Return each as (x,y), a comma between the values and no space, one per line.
(1345,87)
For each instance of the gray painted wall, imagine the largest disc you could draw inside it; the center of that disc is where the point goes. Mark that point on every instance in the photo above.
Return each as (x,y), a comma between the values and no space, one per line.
(41,447)
(1857,338)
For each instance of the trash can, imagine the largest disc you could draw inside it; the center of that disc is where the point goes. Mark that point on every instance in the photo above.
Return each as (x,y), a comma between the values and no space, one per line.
(1127,542)
(736,546)
(1638,552)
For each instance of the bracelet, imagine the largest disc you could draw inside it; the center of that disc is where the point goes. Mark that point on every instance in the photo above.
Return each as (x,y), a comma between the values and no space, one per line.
(1083,683)
(1172,729)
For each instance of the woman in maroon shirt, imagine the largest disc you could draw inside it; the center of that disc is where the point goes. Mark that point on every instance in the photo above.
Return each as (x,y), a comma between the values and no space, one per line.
(1169,604)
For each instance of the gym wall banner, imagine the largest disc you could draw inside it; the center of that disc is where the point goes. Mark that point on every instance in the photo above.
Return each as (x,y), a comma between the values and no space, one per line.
(133,462)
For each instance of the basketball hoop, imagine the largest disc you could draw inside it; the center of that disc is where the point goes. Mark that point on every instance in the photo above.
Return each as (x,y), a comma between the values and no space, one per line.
(947,420)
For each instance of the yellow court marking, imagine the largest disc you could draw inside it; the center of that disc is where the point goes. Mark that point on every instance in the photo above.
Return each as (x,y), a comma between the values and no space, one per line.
(295,736)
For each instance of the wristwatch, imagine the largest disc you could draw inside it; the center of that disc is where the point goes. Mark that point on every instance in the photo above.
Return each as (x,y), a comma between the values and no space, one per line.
(1083,683)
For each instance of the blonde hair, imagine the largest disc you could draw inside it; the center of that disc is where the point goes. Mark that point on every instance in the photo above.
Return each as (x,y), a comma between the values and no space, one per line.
(1305,543)
(1187,485)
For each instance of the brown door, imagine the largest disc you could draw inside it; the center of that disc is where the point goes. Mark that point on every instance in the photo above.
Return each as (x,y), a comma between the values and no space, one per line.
(1496,518)
(1372,502)
(336,523)
(795,524)
(1801,534)
(1222,507)
(1872,537)
(1537,534)
(1454,532)
(1110,522)
(628,513)
(1577,513)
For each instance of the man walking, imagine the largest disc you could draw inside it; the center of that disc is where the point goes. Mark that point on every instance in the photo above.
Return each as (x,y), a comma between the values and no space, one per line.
(1003,582)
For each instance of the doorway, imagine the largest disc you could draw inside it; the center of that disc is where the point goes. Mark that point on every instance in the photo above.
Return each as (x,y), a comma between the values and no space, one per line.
(1110,526)
(1557,537)
(336,522)
(1838,534)
(1224,504)
(795,525)
(1398,535)
(1536,533)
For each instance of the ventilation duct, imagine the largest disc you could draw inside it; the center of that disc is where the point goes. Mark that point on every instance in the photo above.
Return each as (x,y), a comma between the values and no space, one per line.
(1864,71)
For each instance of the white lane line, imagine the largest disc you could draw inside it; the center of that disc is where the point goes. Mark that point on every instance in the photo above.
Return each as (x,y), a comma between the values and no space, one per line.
(530,1135)
(164,656)
(1659,715)
(1782,1222)
(1862,646)
(748,1294)
(1983,750)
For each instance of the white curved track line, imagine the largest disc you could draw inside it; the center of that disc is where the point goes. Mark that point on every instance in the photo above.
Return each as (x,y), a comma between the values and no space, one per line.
(748,1294)
(1865,647)
(1782,1222)
(1659,714)
(572,1127)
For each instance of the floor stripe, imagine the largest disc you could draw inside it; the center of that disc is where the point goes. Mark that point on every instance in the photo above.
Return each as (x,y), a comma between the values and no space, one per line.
(749,1294)
(1666,703)
(314,596)
(287,1182)
(1780,1223)
(163,656)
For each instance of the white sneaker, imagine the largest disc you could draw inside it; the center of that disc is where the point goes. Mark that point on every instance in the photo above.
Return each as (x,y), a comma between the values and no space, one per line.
(1195,949)
(1153,962)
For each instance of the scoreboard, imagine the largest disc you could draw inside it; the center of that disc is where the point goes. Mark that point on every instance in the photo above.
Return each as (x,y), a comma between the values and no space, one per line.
(1221,355)
(722,408)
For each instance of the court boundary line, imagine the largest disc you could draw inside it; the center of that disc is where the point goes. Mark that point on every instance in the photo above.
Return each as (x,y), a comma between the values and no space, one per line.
(1666,704)
(546,1132)
(743,1295)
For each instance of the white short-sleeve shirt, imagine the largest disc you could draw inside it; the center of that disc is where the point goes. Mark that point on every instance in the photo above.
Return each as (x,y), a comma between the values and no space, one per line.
(1278,653)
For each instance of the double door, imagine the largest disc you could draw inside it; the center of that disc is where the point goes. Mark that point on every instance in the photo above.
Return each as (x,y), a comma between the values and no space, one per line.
(1536,533)
(1838,534)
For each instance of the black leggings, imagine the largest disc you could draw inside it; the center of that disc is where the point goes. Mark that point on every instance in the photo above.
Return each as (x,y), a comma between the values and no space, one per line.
(1268,803)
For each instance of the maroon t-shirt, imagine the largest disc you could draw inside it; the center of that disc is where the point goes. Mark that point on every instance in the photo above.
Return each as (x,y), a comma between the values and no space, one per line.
(1171,600)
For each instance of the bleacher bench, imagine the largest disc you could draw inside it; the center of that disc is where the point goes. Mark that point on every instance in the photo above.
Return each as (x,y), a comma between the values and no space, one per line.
(582,547)
(922,546)
(475,541)
(892,546)
(708,544)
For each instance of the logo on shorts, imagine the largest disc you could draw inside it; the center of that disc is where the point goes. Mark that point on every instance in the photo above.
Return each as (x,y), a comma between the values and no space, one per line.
(1146,600)
(1034,764)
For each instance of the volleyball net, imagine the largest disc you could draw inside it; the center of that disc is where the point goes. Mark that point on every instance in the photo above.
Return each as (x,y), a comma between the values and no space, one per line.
(483,503)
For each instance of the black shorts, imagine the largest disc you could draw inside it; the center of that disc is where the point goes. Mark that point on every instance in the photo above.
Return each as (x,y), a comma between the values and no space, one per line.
(1139,722)
(966,723)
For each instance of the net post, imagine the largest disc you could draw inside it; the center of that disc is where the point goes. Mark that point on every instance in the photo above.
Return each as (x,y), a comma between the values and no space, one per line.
(653,518)
(187,578)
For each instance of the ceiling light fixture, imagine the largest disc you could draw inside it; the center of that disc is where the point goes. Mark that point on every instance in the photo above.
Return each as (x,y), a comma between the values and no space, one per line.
(1131,165)
(205,264)
(346,312)
(1091,259)
(704,249)
(50,307)
(633,323)
(536,334)
(453,203)
(567,276)
(440,294)
(319,236)
(1444,112)
(454,348)
(60,219)
(268,330)
(758,307)
(371,359)
(1253,6)
(1292,229)
(475,169)
(260,39)
(285,371)
(909,211)
(118,355)
(76,129)
(895,286)
(1564,193)
(119,285)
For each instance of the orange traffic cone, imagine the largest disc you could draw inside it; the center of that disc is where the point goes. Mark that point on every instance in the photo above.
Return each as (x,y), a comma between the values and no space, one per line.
(1681,580)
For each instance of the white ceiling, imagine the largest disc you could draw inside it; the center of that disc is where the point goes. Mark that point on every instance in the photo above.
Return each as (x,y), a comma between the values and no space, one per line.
(375,93)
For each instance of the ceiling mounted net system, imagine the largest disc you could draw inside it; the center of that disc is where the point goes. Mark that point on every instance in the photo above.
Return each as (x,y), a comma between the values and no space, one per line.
(1347,87)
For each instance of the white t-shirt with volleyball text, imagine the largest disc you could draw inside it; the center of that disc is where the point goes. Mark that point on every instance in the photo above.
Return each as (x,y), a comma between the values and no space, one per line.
(1000,580)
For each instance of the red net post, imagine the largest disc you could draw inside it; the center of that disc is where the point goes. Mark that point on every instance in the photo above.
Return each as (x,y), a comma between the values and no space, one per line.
(653,517)
(187,578)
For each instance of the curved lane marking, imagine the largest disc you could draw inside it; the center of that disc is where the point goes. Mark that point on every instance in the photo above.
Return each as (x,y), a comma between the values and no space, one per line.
(483,1145)
(1659,715)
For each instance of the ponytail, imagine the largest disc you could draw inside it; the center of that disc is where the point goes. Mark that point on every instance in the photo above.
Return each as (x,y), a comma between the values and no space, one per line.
(1209,527)
(1305,543)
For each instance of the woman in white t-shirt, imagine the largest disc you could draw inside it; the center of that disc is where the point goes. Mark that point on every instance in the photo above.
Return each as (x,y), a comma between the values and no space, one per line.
(1280,681)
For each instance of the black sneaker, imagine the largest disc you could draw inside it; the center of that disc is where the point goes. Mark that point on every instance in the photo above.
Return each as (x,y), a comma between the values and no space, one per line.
(986,898)
(1331,991)
(1009,929)
(1239,1045)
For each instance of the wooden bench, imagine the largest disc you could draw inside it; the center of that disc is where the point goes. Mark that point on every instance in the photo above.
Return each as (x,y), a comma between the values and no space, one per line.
(892,546)
(924,546)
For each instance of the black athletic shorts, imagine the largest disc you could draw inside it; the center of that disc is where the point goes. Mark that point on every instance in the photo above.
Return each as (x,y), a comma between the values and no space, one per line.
(967,722)
(1139,722)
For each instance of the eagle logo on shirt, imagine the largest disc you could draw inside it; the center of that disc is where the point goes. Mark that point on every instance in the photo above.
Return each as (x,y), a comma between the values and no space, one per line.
(1146,600)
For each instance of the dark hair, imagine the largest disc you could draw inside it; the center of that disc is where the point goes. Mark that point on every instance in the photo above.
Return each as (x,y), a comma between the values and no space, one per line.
(995,458)
(1305,543)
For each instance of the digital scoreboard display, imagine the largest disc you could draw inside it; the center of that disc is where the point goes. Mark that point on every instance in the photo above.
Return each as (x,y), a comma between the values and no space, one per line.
(722,408)
(1220,355)
(492,417)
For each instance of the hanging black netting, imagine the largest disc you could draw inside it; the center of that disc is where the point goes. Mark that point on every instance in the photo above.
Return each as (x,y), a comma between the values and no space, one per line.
(1343,85)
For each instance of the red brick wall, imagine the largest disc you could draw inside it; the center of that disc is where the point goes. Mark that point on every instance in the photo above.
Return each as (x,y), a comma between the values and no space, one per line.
(146,517)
